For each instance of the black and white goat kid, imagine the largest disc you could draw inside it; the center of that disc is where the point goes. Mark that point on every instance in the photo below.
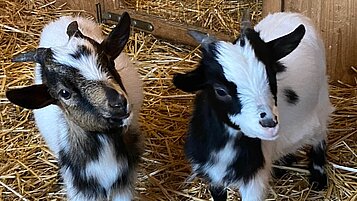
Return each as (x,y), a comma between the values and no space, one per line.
(87,96)
(258,100)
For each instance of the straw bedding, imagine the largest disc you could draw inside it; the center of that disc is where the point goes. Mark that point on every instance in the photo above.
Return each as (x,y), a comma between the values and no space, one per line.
(28,171)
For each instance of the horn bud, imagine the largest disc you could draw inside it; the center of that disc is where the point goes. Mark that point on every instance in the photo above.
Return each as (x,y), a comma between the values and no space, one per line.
(245,23)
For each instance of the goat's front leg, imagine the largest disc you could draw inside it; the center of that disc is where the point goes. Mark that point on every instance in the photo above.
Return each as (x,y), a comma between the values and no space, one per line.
(122,195)
(318,177)
(255,188)
(218,193)
(78,188)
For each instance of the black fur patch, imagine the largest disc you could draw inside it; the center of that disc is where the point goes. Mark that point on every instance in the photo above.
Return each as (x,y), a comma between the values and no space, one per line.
(265,55)
(291,96)
(82,51)
(249,160)
(116,75)
(242,42)
(279,67)
(318,179)
(218,193)
(286,160)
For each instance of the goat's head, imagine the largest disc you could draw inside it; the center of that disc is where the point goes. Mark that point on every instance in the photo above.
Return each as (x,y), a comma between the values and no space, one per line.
(240,79)
(81,79)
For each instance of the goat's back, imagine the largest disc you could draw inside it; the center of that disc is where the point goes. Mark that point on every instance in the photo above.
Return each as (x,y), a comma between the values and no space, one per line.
(54,34)
(303,118)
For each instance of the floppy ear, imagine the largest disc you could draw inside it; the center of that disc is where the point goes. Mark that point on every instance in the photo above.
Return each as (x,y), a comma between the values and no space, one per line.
(116,40)
(191,81)
(31,97)
(286,44)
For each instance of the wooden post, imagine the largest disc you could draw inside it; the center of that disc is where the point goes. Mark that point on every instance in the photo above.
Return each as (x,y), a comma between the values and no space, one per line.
(337,21)
(271,6)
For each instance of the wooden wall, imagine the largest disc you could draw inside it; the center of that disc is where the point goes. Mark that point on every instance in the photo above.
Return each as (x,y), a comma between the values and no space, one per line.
(337,21)
(161,28)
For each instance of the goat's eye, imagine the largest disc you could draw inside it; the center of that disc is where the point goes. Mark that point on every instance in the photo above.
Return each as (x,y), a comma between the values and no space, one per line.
(221,92)
(65,94)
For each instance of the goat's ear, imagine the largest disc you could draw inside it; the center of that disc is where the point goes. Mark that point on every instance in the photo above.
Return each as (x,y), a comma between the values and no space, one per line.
(204,39)
(286,44)
(31,97)
(191,81)
(38,55)
(72,30)
(116,40)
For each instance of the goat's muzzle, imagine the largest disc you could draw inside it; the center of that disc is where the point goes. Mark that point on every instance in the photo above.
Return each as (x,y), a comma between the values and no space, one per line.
(117,104)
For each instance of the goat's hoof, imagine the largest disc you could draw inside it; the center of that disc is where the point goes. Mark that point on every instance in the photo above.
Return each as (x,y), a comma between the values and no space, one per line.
(318,180)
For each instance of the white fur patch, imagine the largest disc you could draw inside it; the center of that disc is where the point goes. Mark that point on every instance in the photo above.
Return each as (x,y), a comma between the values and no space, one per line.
(72,192)
(125,195)
(106,169)
(254,190)
(241,67)
(87,65)
(232,132)
(221,160)
(127,121)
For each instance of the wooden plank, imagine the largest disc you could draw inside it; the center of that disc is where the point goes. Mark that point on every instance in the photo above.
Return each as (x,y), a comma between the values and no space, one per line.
(86,5)
(271,6)
(168,30)
(172,31)
(337,21)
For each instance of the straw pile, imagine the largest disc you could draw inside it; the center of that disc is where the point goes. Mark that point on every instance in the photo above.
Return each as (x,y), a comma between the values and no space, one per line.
(28,171)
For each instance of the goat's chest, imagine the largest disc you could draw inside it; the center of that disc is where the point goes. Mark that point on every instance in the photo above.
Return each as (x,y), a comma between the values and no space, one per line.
(93,168)
(239,159)
(219,166)
(107,168)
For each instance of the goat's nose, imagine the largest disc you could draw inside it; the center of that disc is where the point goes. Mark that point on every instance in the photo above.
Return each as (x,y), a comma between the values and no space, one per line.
(116,100)
(263,114)
(268,122)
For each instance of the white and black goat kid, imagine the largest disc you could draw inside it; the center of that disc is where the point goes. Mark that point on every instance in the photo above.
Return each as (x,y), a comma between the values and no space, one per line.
(258,101)
(87,96)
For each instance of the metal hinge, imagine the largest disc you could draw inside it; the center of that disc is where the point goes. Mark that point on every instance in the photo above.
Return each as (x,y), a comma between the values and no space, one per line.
(103,17)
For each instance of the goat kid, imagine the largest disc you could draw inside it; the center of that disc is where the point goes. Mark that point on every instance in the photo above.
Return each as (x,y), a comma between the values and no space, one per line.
(258,100)
(87,96)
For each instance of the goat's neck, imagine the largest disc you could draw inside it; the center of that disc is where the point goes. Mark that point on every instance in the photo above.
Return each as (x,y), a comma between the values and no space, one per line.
(88,145)
(85,143)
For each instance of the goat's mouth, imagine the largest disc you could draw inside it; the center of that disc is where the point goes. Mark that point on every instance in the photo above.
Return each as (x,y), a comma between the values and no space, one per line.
(116,118)
(270,133)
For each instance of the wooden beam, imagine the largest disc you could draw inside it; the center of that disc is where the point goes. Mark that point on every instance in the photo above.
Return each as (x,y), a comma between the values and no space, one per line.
(171,31)
(162,28)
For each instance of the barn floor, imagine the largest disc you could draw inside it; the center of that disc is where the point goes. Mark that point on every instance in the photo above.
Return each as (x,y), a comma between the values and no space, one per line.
(28,171)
